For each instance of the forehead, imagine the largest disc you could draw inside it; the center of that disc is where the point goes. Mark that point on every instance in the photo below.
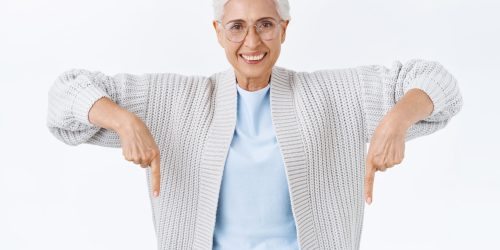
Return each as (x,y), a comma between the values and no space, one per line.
(249,10)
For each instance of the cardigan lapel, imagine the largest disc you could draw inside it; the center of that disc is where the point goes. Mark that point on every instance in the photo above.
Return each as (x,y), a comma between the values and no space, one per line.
(214,156)
(217,145)
(291,145)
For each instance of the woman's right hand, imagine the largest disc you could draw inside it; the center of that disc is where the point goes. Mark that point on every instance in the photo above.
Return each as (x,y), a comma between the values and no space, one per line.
(138,145)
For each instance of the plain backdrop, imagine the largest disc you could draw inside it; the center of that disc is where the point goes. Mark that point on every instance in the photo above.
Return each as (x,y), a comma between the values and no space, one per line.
(445,194)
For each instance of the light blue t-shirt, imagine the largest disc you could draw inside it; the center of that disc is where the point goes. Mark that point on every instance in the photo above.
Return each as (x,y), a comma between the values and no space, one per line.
(254,210)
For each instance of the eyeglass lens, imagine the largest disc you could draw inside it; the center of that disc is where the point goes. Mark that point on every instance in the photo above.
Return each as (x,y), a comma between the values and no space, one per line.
(237,30)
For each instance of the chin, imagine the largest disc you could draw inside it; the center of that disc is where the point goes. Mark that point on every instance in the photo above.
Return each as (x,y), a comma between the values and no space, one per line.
(254,69)
(254,73)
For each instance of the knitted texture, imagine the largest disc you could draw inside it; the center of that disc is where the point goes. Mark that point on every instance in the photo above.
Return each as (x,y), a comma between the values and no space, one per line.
(322,120)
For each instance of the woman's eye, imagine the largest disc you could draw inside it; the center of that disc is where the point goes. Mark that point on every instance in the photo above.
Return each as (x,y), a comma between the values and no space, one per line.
(267,25)
(235,27)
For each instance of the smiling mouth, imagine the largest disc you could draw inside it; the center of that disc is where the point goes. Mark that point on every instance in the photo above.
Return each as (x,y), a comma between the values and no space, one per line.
(253,59)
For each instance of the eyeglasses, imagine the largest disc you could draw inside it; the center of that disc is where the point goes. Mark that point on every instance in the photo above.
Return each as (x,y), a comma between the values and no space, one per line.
(236,31)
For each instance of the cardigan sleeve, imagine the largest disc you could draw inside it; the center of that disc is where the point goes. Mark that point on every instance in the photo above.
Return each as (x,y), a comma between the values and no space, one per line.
(72,95)
(383,87)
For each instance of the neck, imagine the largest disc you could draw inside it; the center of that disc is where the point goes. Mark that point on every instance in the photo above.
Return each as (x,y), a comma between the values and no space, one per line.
(253,83)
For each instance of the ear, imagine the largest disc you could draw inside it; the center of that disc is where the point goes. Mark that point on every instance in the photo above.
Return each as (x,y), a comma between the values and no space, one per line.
(218,32)
(283,34)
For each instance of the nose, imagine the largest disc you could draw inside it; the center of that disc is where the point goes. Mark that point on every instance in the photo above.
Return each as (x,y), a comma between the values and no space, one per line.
(252,40)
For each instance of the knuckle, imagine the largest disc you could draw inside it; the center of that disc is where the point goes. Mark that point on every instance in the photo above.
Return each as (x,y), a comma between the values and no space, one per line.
(142,158)
(379,163)
(150,155)
(373,161)
(378,159)
(155,152)
(388,164)
(383,166)
(136,159)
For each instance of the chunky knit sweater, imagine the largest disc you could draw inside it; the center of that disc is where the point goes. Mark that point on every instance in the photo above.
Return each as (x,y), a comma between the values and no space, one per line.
(322,120)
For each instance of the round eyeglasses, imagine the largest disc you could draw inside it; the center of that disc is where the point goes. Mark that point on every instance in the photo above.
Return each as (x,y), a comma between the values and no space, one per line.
(236,31)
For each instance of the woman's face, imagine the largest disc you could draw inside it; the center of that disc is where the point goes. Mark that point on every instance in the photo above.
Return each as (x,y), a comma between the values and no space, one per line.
(249,11)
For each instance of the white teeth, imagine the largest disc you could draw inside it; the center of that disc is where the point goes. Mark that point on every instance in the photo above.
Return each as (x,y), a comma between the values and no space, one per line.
(254,58)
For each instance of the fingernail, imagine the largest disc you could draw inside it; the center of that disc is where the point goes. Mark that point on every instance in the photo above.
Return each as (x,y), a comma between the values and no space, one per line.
(369,200)
(155,194)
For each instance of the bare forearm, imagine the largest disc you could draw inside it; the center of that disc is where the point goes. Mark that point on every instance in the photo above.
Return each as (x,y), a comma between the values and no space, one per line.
(136,140)
(414,106)
(107,114)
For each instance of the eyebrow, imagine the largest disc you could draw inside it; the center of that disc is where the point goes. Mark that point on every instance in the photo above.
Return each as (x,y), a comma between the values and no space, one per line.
(241,20)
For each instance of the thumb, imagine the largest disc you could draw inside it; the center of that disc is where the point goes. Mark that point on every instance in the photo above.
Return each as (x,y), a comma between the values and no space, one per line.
(369,179)
(155,174)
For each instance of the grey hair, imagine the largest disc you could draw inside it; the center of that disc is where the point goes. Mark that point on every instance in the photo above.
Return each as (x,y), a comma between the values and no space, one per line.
(282,7)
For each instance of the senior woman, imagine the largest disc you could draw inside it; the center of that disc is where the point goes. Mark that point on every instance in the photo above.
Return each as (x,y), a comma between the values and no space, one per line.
(257,156)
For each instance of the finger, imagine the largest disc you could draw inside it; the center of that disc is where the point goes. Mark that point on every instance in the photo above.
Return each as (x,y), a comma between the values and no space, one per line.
(126,154)
(369,179)
(136,152)
(155,174)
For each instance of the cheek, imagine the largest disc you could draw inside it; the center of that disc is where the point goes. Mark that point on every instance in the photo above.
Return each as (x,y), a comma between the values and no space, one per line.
(232,52)
(232,56)
(275,49)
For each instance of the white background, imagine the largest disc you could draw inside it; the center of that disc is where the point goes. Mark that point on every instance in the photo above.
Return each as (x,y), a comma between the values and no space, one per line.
(445,195)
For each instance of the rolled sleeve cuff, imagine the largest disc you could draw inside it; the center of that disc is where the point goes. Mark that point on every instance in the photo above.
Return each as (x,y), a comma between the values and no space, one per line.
(432,88)
(84,102)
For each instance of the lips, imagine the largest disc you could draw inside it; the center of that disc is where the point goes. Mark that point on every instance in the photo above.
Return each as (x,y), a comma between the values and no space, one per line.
(253,57)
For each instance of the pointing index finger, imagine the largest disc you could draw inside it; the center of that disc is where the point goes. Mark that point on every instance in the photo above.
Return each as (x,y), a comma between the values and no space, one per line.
(369,179)
(155,175)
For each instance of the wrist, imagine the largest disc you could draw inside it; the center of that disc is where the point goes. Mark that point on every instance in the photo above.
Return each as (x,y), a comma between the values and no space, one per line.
(123,121)
(413,107)
(398,120)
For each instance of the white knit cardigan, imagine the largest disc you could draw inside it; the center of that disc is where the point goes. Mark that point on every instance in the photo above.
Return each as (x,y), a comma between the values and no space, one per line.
(322,121)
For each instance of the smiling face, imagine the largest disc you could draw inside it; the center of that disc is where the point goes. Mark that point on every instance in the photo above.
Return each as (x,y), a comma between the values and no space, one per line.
(253,58)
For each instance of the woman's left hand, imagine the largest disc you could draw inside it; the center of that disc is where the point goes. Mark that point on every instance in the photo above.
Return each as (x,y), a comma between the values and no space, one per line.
(387,148)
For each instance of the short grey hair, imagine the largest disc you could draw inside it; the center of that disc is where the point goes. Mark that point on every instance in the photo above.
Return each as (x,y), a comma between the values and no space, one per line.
(282,7)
